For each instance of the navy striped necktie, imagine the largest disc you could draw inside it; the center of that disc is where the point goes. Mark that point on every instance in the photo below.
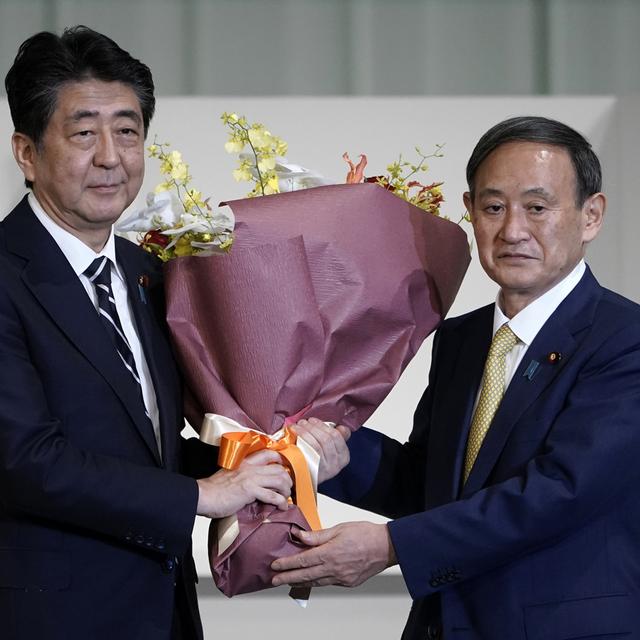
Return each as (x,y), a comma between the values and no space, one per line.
(99,273)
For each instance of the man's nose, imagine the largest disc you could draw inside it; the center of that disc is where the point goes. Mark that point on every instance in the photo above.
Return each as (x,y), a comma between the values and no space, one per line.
(515,227)
(106,152)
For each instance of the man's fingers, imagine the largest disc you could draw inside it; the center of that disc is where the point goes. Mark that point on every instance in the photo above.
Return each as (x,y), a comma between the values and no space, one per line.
(302,560)
(309,558)
(268,496)
(302,577)
(345,432)
(329,442)
(318,582)
(272,477)
(306,434)
(268,483)
(326,440)
(313,433)
(261,458)
(313,538)
(348,554)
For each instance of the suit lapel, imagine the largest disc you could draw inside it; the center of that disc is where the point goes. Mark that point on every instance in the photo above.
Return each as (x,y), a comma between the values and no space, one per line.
(557,335)
(49,276)
(473,338)
(142,285)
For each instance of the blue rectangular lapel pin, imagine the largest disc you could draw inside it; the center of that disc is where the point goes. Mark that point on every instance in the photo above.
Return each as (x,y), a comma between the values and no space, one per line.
(531,370)
(143,283)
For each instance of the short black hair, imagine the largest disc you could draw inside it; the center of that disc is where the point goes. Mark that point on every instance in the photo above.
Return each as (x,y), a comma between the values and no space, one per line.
(537,129)
(46,61)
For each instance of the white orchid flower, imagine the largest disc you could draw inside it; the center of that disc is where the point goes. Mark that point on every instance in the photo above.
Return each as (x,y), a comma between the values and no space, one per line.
(163,209)
(291,177)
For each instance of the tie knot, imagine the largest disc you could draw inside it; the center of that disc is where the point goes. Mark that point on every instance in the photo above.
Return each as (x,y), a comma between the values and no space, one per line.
(503,341)
(99,271)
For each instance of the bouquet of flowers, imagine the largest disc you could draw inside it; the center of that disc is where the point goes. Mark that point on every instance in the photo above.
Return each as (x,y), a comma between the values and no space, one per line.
(326,295)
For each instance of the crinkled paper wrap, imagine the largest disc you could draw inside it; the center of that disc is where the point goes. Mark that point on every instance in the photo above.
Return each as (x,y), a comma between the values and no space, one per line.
(325,297)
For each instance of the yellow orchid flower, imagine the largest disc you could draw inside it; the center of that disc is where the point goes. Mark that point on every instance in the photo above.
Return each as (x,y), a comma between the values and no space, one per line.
(272,185)
(242,175)
(234,145)
(180,172)
(267,163)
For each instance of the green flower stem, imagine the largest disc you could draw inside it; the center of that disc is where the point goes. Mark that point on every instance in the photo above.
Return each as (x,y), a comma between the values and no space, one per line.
(255,154)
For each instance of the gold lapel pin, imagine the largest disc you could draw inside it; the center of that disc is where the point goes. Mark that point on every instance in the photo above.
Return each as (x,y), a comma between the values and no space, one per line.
(554,357)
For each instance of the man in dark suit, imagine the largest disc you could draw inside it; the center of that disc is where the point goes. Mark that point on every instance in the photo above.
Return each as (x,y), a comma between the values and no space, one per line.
(95,514)
(515,501)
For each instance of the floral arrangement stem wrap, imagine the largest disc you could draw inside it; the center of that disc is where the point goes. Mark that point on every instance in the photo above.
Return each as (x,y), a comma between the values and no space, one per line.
(326,296)
(235,442)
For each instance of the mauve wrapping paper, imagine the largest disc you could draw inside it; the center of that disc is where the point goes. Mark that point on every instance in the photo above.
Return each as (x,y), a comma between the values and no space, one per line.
(265,534)
(325,297)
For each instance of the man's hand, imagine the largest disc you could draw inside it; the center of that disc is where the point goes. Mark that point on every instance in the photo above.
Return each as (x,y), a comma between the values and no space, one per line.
(259,477)
(347,555)
(329,442)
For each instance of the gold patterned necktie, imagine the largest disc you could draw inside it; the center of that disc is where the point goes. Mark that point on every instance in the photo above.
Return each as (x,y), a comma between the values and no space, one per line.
(493,385)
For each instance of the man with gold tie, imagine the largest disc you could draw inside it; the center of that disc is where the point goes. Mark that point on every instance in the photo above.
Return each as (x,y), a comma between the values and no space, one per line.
(514,503)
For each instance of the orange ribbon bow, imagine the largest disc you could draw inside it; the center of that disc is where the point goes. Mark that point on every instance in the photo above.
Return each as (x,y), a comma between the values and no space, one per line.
(237,445)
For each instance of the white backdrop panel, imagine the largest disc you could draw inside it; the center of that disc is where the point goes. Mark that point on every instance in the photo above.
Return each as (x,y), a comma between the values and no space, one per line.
(319,130)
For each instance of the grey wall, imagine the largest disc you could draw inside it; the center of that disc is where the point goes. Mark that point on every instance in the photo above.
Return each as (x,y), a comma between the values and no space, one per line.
(358,47)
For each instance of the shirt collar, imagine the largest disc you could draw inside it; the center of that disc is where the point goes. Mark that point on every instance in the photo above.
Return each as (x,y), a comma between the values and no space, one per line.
(527,323)
(79,255)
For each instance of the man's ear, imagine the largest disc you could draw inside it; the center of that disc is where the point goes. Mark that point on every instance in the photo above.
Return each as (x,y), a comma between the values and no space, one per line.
(468,203)
(24,151)
(593,211)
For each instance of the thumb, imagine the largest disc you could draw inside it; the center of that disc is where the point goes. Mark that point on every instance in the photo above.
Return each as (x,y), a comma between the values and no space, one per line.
(345,432)
(314,538)
(262,458)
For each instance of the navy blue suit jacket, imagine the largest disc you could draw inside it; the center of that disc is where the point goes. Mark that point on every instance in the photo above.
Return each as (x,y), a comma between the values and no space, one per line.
(91,519)
(543,541)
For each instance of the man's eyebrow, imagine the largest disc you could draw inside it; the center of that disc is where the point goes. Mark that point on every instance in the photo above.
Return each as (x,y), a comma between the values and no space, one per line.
(538,191)
(533,191)
(81,114)
(488,191)
(129,113)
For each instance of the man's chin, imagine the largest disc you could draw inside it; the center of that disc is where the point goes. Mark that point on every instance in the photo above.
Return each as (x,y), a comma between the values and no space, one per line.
(108,209)
(104,218)
(521,270)
(515,281)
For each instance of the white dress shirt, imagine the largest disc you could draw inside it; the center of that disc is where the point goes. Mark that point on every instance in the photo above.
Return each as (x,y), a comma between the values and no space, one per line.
(527,323)
(80,256)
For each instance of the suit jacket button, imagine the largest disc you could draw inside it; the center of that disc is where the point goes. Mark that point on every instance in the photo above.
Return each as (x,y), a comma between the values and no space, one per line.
(160,545)
(434,631)
(168,565)
(139,539)
(129,536)
(149,542)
